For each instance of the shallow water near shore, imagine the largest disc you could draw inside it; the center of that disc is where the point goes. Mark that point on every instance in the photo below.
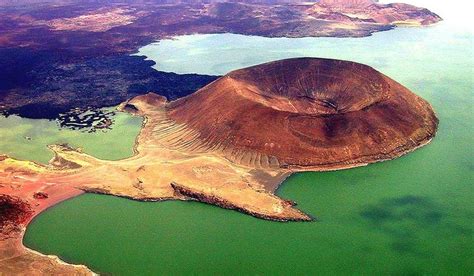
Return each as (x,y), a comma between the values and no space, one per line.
(413,215)
(27,139)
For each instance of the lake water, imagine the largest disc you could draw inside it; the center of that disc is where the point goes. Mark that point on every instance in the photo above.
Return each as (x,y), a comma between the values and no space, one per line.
(27,139)
(409,216)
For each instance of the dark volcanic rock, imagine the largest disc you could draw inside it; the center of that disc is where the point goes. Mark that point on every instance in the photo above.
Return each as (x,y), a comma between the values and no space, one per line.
(53,88)
(14,212)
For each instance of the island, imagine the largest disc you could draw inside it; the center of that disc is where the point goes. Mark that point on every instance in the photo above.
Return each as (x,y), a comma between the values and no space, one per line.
(230,144)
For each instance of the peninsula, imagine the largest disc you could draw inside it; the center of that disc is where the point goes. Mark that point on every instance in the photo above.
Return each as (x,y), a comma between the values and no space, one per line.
(230,144)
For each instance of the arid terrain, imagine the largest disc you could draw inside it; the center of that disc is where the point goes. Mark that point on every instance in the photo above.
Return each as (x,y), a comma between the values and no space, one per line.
(272,120)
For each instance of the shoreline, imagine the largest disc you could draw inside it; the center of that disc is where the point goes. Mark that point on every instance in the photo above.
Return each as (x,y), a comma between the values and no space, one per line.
(57,258)
(194,196)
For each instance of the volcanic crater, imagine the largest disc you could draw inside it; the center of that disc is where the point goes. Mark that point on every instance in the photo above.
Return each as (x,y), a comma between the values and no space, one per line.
(306,113)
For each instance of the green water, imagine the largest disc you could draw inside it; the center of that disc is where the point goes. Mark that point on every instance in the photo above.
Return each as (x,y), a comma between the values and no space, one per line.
(410,216)
(27,139)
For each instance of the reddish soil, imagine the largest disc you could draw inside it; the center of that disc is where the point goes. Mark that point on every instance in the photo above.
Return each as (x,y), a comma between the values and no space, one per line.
(19,204)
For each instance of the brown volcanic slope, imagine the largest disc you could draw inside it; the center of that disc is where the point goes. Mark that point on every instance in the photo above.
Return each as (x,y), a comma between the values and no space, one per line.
(306,114)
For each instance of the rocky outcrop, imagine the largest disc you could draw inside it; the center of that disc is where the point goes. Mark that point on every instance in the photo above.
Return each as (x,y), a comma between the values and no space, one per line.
(223,203)
(14,213)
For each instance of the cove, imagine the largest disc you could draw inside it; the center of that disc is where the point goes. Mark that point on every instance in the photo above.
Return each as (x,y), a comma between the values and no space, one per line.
(27,139)
(412,215)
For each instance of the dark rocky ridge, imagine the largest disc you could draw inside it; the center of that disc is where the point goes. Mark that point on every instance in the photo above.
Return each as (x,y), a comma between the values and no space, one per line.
(213,200)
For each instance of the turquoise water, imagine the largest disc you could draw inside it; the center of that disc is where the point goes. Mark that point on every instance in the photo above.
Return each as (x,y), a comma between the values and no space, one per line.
(409,216)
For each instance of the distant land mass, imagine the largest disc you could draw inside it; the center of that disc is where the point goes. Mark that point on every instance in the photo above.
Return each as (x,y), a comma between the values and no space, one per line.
(60,55)
(230,144)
